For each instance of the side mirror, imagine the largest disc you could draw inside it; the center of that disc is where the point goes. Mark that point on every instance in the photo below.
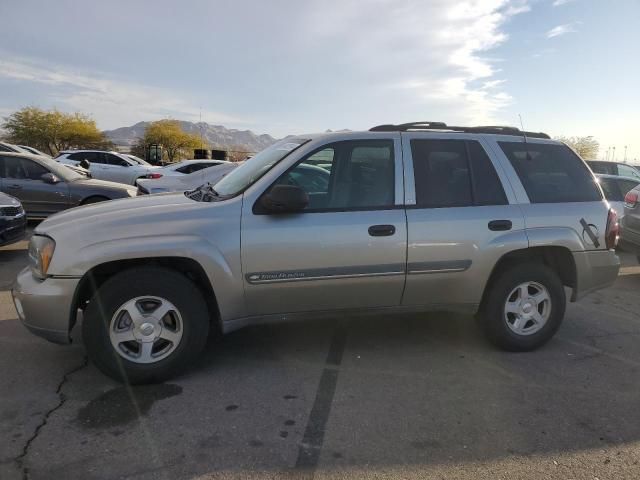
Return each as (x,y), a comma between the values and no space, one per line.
(49,178)
(84,163)
(285,199)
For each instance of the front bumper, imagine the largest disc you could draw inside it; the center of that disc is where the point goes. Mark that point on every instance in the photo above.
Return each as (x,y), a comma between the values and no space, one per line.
(595,269)
(45,307)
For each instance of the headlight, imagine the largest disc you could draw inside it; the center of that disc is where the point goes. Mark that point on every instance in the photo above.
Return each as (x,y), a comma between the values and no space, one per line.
(41,250)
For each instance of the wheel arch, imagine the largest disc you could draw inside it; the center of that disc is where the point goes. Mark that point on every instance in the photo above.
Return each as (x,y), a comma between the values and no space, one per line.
(86,200)
(559,259)
(190,268)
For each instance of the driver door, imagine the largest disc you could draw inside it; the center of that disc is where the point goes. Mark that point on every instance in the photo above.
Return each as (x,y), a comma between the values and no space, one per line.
(22,178)
(346,249)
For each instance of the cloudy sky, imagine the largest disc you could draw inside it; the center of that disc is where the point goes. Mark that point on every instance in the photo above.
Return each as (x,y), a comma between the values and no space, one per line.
(570,67)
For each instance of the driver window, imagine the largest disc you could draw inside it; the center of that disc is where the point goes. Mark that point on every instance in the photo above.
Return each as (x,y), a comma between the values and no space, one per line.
(22,169)
(347,175)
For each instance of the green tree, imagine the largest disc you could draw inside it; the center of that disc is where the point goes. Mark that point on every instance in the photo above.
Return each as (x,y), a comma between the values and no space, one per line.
(175,142)
(586,147)
(52,131)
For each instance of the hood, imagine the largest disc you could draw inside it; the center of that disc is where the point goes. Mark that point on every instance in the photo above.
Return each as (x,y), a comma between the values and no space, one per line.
(92,182)
(112,212)
(8,200)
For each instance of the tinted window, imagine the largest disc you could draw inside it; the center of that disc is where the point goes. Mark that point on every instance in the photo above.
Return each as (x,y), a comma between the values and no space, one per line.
(626,185)
(347,175)
(551,173)
(22,169)
(115,160)
(627,171)
(487,188)
(610,189)
(92,157)
(454,173)
(602,167)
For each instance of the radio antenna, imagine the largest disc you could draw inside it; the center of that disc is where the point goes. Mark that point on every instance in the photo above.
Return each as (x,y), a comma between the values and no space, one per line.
(524,133)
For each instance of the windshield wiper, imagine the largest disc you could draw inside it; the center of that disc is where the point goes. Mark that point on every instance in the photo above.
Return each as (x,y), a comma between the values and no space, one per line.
(204,193)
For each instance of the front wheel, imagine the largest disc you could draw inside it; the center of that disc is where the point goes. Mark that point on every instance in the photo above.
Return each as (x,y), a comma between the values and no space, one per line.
(524,308)
(145,325)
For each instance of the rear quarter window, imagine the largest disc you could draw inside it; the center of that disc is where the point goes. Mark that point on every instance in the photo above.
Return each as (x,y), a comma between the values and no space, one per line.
(551,173)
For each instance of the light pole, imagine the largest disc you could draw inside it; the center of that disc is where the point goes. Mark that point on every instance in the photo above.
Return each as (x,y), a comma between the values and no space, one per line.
(625,154)
(614,154)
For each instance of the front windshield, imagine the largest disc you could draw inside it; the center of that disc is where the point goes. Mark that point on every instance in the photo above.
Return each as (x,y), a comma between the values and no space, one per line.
(138,160)
(251,170)
(60,170)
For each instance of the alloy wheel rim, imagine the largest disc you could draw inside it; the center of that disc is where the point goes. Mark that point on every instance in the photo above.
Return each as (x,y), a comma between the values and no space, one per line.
(527,308)
(146,329)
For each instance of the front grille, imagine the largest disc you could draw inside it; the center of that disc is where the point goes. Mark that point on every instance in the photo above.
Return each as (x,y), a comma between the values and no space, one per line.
(10,211)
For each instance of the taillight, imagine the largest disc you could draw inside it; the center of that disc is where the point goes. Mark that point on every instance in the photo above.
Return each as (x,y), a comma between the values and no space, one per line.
(631,199)
(613,230)
(154,175)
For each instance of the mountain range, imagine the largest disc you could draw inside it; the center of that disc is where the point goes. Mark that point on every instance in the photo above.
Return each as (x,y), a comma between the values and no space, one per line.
(214,135)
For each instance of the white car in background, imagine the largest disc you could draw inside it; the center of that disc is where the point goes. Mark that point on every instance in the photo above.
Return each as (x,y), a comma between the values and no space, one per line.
(182,183)
(615,188)
(111,166)
(185,167)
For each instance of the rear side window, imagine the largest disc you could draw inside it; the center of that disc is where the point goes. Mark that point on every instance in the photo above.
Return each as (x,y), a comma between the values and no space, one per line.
(454,173)
(92,157)
(602,168)
(115,160)
(551,173)
(611,190)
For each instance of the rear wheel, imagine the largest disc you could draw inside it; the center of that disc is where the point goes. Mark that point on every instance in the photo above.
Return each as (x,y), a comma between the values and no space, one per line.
(524,308)
(145,325)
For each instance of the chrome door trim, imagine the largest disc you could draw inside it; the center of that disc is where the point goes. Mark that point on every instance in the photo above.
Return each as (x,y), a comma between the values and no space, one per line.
(357,271)
(448,266)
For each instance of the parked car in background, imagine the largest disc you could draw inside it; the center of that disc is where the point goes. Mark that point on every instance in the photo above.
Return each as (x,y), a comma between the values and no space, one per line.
(35,151)
(9,147)
(184,167)
(111,166)
(614,168)
(615,188)
(182,183)
(414,218)
(630,225)
(13,220)
(45,187)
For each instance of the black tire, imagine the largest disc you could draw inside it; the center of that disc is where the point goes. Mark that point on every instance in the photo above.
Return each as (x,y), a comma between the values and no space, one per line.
(136,282)
(95,199)
(492,314)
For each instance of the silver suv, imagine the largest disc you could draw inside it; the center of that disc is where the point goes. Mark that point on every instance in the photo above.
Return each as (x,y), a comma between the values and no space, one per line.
(402,218)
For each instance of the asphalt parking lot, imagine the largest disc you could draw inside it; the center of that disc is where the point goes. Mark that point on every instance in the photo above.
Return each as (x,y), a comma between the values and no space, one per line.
(407,397)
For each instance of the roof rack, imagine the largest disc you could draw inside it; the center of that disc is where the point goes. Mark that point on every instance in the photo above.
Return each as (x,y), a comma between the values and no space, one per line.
(425,126)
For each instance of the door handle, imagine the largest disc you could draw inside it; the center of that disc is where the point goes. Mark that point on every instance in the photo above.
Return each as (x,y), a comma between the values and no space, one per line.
(382,230)
(500,225)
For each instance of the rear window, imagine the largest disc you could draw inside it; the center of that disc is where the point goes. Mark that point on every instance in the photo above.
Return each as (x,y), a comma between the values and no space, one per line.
(551,173)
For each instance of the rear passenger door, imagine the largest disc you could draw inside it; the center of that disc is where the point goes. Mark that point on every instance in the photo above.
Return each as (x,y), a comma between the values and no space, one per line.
(461,215)
(117,169)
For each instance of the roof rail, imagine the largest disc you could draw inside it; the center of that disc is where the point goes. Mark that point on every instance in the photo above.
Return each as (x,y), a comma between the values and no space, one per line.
(425,126)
